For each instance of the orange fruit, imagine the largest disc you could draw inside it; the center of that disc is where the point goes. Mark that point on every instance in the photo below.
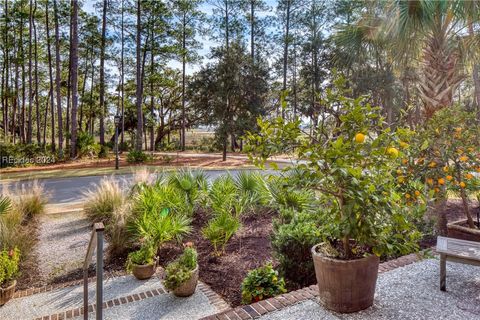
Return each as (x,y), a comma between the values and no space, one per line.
(469,176)
(360,138)
(441,181)
(417,193)
(449,178)
(437,190)
(463,158)
(430,181)
(407,196)
(462,185)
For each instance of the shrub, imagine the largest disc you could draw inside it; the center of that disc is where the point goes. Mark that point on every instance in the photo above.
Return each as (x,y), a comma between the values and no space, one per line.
(86,145)
(292,240)
(180,270)
(9,260)
(143,256)
(103,152)
(189,182)
(101,202)
(135,156)
(160,228)
(219,230)
(252,187)
(262,283)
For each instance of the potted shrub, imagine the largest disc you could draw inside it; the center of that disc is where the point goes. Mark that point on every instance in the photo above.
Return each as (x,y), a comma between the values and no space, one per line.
(262,283)
(9,260)
(142,263)
(350,161)
(181,275)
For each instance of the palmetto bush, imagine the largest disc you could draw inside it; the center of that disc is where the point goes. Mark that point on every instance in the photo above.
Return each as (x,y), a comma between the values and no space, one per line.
(101,202)
(193,184)
(219,230)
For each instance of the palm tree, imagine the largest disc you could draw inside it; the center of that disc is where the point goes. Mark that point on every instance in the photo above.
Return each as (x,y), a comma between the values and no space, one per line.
(430,34)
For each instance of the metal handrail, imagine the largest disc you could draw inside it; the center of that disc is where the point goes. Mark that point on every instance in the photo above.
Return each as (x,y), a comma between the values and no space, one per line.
(96,242)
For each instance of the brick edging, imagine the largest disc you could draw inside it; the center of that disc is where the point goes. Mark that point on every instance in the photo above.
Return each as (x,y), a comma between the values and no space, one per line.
(68,314)
(214,298)
(257,309)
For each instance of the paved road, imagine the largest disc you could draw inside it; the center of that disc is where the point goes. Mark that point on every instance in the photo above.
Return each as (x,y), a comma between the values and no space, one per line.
(65,190)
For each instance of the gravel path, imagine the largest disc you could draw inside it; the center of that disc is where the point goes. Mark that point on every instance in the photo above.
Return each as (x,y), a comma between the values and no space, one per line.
(411,292)
(63,241)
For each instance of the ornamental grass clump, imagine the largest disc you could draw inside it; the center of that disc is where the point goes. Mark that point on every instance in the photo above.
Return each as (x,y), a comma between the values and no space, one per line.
(101,202)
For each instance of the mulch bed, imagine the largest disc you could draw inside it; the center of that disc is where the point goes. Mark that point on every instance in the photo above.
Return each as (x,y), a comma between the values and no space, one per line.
(248,249)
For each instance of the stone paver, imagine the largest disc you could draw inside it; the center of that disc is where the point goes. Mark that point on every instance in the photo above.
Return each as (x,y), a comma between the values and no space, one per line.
(411,292)
(47,303)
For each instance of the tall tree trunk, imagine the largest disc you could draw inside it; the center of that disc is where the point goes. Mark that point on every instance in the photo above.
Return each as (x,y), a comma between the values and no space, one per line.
(122,79)
(57,81)
(22,58)
(441,75)
(184,62)
(138,94)
(15,97)
(74,70)
(6,92)
(152,107)
(102,74)
(50,73)
(252,30)
(37,103)
(69,82)
(30,91)
(285,51)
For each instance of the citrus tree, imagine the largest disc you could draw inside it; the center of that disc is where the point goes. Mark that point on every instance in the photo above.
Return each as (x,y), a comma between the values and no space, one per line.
(353,164)
(445,155)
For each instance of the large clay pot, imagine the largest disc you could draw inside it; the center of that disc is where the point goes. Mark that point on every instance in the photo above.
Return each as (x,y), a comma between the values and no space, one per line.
(143,272)
(7,293)
(188,287)
(460,230)
(346,285)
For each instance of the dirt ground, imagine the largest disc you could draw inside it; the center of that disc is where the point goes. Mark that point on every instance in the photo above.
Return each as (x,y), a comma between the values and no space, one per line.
(157,161)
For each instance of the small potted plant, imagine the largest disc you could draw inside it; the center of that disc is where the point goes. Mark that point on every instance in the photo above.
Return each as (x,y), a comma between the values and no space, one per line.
(142,263)
(181,275)
(9,260)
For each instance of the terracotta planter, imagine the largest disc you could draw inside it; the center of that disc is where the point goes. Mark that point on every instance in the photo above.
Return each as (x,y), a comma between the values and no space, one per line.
(189,286)
(7,293)
(346,285)
(460,230)
(143,272)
